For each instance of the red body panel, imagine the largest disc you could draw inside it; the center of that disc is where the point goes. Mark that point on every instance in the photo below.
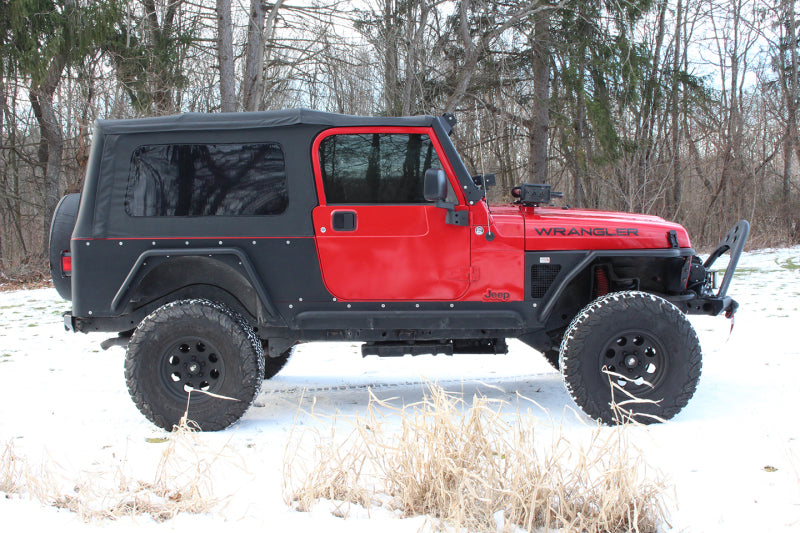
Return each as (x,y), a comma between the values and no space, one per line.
(396,252)
(498,265)
(409,252)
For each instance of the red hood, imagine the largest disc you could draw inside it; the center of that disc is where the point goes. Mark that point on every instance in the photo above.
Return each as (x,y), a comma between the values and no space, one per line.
(553,228)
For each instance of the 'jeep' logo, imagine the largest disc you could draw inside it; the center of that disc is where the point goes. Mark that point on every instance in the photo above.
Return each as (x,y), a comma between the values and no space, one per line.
(492,295)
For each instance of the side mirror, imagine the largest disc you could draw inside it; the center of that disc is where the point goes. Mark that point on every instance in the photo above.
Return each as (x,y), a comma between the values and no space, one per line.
(436,191)
(435,185)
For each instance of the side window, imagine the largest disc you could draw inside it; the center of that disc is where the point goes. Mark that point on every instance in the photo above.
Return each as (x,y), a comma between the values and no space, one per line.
(179,180)
(376,168)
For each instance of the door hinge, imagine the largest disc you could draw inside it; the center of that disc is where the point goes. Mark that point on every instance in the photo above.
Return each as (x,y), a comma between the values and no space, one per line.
(464,274)
(474,274)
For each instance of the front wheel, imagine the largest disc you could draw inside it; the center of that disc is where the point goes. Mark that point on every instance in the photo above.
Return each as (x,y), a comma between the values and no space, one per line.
(197,348)
(631,356)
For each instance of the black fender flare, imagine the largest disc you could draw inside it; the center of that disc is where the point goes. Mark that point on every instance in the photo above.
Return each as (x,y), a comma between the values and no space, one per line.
(124,292)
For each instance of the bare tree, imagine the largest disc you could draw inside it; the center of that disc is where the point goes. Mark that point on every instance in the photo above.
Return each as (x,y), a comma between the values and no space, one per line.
(677,178)
(227,71)
(260,28)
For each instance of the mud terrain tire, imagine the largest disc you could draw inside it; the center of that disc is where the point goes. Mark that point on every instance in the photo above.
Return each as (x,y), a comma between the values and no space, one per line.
(194,344)
(640,343)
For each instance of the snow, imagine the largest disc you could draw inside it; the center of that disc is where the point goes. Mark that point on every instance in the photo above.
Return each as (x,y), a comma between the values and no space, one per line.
(732,456)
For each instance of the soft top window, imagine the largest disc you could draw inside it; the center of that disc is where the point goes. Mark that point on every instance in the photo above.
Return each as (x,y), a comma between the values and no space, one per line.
(207,180)
(376,168)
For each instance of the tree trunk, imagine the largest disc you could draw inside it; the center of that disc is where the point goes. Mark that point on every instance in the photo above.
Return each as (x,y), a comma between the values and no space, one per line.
(161,80)
(467,70)
(650,112)
(3,171)
(227,80)
(259,31)
(677,183)
(415,31)
(51,139)
(541,102)
(791,141)
(12,197)
(581,163)
(252,84)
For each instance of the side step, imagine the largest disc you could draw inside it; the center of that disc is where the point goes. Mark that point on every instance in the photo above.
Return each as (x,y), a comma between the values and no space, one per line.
(121,340)
(462,346)
(399,349)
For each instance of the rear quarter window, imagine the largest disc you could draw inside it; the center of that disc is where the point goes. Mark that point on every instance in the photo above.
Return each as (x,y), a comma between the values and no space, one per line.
(186,180)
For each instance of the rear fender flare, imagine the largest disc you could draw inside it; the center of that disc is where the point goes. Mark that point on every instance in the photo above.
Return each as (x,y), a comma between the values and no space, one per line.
(217,258)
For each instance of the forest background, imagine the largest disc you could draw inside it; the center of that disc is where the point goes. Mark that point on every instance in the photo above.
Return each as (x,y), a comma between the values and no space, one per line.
(687,109)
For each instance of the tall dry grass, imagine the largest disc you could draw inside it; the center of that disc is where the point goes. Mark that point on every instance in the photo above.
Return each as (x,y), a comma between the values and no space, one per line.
(11,471)
(467,465)
(182,483)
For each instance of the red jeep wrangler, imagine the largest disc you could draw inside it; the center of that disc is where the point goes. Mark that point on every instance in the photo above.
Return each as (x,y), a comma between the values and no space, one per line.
(213,244)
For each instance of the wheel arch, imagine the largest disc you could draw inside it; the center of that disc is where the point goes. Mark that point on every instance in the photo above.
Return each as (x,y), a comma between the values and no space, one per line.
(654,271)
(224,275)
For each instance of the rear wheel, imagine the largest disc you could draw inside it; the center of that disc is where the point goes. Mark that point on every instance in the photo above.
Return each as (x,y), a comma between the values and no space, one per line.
(631,356)
(194,352)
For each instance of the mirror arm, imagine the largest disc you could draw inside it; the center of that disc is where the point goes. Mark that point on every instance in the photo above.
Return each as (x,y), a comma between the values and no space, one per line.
(455,218)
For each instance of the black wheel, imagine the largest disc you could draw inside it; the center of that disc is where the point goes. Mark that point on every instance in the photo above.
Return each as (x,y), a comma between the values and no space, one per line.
(60,234)
(194,346)
(273,365)
(631,356)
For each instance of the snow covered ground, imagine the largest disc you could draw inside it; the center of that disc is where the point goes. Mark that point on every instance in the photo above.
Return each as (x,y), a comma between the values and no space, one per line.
(732,456)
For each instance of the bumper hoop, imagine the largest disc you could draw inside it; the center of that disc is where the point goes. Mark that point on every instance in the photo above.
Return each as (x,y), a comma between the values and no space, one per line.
(734,242)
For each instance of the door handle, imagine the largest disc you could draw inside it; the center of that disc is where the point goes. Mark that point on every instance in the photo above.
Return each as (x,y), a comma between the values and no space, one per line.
(344,221)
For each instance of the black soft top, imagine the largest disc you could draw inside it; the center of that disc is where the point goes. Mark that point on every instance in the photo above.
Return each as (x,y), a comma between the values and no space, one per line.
(102,213)
(260,119)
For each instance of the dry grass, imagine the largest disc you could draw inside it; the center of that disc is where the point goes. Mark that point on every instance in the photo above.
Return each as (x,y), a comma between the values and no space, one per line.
(33,273)
(11,471)
(18,477)
(181,484)
(469,467)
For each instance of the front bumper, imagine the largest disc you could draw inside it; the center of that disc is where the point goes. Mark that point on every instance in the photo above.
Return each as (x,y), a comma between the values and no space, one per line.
(708,302)
(710,305)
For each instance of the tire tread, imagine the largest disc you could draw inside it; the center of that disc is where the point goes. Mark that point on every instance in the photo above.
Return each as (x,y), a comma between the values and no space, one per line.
(602,311)
(234,327)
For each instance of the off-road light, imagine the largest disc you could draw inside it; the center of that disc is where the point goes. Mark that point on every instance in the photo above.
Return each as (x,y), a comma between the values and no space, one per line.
(534,194)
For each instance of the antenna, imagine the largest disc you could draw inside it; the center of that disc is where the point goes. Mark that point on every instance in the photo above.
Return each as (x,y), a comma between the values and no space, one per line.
(489,235)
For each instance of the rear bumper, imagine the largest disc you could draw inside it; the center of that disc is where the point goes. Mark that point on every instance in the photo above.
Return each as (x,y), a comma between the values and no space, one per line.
(69,321)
